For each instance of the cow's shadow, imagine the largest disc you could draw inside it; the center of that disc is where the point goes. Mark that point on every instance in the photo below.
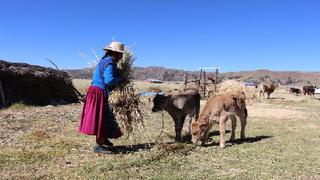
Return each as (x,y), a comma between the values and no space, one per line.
(129,148)
(187,137)
(217,133)
(241,141)
(276,98)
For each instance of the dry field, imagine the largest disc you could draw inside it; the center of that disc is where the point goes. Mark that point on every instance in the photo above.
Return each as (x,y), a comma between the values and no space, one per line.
(283,142)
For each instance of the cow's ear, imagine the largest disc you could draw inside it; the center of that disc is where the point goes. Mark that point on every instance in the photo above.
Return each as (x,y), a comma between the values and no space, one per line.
(193,124)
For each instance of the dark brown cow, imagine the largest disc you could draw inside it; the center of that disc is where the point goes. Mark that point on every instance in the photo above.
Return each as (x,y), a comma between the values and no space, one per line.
(178,106)
(296,91)
(309,90)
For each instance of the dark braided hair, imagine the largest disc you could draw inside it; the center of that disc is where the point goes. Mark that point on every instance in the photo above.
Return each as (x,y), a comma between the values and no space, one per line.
(108,53)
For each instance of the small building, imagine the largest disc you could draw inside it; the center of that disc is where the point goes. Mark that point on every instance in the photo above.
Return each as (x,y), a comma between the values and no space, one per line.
(250,84)
(154,81)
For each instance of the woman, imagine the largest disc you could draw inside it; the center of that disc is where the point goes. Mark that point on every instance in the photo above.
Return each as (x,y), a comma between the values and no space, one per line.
(97,118)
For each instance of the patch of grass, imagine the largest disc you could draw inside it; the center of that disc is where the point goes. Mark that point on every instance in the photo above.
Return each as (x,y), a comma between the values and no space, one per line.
(11,157)
(156,89)
(66,145)
(18,106)
(42,140)
(164,87)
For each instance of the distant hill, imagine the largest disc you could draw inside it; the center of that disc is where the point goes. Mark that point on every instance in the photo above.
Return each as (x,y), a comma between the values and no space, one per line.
(85,73)
(165,74)
(283,77)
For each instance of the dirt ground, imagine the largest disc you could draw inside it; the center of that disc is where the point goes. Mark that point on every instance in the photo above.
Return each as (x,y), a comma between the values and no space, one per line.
(283,141)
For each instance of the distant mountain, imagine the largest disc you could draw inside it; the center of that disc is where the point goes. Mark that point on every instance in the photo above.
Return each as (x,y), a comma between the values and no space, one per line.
(283,77)
(85,73)
(165,74)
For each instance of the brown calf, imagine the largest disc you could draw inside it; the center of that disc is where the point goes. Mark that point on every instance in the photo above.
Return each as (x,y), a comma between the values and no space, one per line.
(217,110)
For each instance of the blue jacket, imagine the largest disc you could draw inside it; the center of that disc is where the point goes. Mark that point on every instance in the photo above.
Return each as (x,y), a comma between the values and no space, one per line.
(105,74)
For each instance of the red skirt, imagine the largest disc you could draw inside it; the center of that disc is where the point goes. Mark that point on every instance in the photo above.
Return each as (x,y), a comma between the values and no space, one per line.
(97,118)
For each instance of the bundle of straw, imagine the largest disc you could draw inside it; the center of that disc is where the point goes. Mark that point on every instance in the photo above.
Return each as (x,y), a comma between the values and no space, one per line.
(125,66)
(127,108)
(126,104)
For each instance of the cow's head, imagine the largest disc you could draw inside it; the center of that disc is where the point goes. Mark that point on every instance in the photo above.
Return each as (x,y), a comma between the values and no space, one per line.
(199,133)
(159,102)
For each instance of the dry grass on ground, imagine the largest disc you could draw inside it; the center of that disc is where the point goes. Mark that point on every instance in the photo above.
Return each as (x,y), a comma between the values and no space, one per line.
(283,142)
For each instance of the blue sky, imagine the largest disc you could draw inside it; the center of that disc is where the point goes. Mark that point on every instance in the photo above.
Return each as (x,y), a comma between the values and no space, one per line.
(185,34)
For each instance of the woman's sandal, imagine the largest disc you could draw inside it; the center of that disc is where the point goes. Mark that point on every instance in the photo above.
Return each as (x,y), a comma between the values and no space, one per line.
(108,143)
(101,149)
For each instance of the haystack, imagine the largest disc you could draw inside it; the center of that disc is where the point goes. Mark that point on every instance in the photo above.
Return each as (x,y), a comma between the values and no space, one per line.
(34,85)
(232,85)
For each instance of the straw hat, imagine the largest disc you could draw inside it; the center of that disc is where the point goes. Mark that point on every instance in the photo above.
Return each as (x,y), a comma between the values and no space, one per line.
(115,46)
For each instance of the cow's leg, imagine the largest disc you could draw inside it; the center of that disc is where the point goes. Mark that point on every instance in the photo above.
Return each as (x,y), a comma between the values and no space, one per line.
(222,129)
(178,128)
(243,120)
(268,95)
(188,136)
(233,127)
(189,123)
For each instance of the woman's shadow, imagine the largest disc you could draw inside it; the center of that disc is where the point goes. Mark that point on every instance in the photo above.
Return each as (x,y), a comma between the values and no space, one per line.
(129,148)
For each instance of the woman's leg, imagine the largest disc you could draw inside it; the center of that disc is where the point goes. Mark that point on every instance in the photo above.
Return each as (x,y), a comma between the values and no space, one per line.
(103,141)
(100,141)
(99,148)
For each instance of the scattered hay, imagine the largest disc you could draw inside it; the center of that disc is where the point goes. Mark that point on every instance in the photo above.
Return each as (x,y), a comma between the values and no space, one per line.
(178,148)
(39,135)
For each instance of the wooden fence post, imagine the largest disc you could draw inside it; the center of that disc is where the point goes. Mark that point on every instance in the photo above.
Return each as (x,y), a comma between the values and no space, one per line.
(204,84)
(216,81)
(185,82)
(199,81)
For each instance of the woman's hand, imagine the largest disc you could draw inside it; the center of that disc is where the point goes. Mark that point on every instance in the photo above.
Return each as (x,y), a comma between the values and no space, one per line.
(124,81)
